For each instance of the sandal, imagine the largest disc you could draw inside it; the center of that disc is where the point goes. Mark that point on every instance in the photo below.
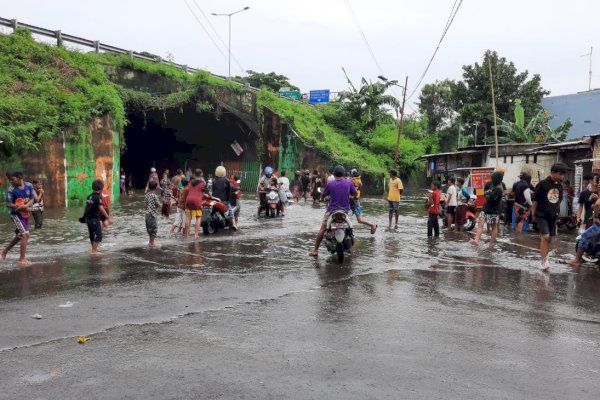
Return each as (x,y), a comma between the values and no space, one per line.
(373,230)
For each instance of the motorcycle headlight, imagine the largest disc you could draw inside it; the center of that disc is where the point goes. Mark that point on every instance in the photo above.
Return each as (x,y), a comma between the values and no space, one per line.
(339,235)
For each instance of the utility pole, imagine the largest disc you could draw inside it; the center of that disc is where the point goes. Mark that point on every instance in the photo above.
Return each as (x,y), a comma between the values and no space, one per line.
(590,72)
(400,125)
(493,106)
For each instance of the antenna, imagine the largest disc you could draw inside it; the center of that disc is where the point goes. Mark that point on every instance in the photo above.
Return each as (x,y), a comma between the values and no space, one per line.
(590,72)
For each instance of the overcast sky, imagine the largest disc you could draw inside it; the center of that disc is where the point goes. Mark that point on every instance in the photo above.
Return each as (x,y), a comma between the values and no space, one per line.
(310,40)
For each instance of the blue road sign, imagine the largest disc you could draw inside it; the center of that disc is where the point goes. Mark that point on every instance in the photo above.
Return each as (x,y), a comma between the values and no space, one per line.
(318,96)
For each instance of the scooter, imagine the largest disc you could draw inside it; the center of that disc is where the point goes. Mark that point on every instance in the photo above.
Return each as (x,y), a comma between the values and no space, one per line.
(214,215)
(339,237)
(273,203)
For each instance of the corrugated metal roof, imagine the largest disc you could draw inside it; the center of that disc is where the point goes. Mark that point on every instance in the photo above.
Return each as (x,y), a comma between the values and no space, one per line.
(582,108)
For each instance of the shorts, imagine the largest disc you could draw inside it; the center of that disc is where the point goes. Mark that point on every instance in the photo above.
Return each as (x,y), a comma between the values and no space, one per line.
(194,213)
(521,213)
(490,219)
(357,209)
(461,215)
(586,237)
(546,226)
(95,230)
(393,205)
(21,225)
(151,225)
(451,210)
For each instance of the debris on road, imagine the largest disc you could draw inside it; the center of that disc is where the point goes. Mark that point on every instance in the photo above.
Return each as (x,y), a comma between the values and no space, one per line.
(66,305)
(36,316)
(82,339)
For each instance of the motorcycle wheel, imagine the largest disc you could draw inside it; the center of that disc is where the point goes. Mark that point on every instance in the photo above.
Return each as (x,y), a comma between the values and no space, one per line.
(340,252)
(208,229)
(470,224)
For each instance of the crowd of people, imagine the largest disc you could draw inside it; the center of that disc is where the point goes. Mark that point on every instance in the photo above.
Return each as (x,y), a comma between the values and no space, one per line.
(183,195)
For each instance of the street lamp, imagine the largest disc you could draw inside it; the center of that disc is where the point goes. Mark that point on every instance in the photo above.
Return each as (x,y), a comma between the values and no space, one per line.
(401,117)
(229,15)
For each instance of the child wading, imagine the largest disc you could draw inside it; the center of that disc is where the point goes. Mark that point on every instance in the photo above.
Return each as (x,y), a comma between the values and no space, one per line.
(393,197)
(153,208)
(491,210)
(19,199)
(433,209)
(94,210)
(37,209)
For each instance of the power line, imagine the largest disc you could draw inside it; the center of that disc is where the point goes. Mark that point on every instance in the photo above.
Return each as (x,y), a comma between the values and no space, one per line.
(205,30)
(362,34)
(453,13)
(242,70)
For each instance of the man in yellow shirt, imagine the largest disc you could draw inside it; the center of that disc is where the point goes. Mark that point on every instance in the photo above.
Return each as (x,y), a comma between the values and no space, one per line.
(393,197)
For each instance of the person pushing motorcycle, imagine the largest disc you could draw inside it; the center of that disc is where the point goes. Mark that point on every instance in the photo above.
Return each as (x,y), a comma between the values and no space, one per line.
(340,191)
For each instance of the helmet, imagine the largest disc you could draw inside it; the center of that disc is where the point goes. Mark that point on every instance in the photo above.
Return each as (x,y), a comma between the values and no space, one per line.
(220,171)
(354,172)
(152,169)
(306,172)
(268,170)
(298,172)
(339,171)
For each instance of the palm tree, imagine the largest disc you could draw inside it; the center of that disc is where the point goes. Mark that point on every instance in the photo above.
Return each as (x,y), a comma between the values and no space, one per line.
(367,103)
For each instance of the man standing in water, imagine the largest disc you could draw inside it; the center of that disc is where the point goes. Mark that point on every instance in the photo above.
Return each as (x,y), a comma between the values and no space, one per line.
(491,209)
(393,197)
(339,190)
(546,209)
(451,202)
(523,200)
(19,199)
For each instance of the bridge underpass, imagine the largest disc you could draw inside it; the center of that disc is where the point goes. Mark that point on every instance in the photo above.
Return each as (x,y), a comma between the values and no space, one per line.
(185,138)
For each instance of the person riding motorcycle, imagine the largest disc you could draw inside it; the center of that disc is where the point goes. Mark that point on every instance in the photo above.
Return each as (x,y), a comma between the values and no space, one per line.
(221,189)
(340,191)
(263,185)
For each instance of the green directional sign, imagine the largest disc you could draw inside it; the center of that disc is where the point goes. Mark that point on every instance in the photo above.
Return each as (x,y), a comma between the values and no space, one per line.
(294,94)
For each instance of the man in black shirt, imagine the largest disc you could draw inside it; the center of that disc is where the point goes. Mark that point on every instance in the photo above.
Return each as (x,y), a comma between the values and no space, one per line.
(546,208)
(522,191)
(586,201)
(491,209)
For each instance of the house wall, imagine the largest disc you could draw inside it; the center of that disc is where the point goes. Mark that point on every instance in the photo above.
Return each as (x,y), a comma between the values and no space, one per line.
(515,164)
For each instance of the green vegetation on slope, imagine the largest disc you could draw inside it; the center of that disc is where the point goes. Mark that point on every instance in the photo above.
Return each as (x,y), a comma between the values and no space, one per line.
(47,89)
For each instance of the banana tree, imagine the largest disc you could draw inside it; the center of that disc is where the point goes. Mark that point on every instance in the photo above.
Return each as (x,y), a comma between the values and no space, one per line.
(536,130)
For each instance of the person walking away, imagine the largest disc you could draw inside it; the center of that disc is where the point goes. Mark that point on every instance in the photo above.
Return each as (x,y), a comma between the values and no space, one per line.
(106,221)
(179,222)
(451,202)
(37,209)
(395,191)
(153,177)
(19,198)
(433,209)
(94,210)
(122,187)
(153,207)
(586,200)
(546,209)
(462,201)
(296,187)
(339,190)
(523,199)
(222,190)
(491,209)
(305,180)
(166,195)
(356,207)
(193,203)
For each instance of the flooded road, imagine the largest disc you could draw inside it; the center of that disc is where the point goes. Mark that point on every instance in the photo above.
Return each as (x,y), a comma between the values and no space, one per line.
(250,315)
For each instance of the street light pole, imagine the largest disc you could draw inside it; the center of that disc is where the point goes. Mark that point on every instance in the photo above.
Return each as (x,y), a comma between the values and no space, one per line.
(229,46)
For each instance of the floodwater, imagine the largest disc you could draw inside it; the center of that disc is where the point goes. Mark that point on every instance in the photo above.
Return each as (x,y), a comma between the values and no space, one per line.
(250,315)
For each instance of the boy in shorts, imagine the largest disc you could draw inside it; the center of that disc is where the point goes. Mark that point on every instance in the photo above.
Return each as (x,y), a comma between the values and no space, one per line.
(153,209)
(491,210)
(393,197)
(94,210)
(19,198)
(179,222)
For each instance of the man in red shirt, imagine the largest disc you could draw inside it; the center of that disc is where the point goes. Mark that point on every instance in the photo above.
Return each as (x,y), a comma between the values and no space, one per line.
(433,209)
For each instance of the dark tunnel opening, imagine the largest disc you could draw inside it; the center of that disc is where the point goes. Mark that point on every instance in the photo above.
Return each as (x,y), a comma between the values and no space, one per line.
(188,139)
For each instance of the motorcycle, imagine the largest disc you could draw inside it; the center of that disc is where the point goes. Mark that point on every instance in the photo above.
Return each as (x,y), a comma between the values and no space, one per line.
(592,253)
(569,221)
(214,215)
(339,237)
(273,203)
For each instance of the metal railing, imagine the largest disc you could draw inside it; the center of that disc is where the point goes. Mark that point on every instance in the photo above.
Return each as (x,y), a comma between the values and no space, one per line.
(98,47)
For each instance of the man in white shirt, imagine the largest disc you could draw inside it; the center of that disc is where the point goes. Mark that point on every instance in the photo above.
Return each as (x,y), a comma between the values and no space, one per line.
(451,202)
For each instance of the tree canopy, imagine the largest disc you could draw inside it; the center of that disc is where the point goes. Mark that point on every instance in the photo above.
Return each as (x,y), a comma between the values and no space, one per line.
(271,80)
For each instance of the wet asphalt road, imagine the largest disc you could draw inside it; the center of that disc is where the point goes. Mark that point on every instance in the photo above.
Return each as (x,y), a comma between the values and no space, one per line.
(251,316)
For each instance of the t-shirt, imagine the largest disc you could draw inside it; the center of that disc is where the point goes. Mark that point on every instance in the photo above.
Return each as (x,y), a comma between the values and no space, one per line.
(434,209)
(93,203)
(14,193)
(587,203)
(305,179)
(548,195)
(285,183)
(222,189)
(195,194)
(395,188)
(152,202)
(105,199)
(357,184)
(519,189)
(339,192)
(451,196)
(493,197)
(330,178)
